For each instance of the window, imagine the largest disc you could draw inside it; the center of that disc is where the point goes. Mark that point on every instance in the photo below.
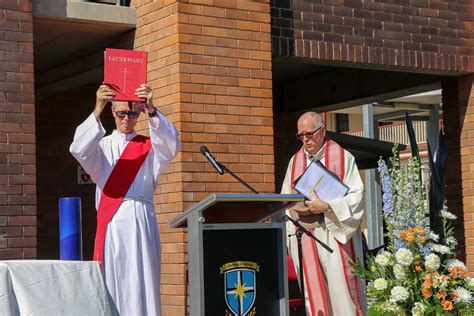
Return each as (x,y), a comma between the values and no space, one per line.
(342,122)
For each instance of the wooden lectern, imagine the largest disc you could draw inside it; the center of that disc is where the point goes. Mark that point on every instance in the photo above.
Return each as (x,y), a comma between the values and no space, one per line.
(237,260)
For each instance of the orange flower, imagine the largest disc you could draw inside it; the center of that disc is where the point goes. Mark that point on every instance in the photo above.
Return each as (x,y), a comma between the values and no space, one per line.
(418,268)
(440,295)
(421,239)
(409,237)
(428,281)
(453,295)
(426,293)
(418,230)
(447,305)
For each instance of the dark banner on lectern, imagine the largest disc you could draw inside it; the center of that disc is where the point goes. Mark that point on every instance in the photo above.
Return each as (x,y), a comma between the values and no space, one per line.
(241,272)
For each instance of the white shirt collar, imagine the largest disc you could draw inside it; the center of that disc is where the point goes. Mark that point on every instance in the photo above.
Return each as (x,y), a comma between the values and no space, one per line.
(122,136)
(317,156)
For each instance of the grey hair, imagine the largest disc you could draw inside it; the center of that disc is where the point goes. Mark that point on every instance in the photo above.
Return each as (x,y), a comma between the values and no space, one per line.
(134,104)
(316,117)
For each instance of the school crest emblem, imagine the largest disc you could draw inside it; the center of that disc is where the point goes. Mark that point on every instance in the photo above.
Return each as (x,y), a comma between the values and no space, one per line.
(240,289)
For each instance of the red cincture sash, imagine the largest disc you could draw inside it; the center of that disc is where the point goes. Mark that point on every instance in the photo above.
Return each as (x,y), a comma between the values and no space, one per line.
(117,186)
(334,161)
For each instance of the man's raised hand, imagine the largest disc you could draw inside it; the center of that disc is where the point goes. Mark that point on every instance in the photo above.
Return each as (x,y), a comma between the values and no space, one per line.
(145,92)
(103,95)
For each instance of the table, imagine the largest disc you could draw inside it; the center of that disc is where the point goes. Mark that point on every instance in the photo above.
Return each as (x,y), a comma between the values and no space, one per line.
(53,287)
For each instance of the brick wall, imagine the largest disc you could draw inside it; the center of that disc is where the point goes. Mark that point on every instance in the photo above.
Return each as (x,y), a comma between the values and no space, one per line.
(56,120)
(210,68)
(17,132)
(157,33)
(458,110)
(426,35)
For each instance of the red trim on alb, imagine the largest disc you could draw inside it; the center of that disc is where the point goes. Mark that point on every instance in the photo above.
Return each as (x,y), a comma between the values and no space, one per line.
(348,255)
(298,166)
(117,186)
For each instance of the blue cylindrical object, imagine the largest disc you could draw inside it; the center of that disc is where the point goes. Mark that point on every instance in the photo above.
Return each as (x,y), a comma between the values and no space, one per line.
(70,228)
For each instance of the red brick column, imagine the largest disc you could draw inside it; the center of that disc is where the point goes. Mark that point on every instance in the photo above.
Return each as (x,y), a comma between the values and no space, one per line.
(17,132)
(458,117)
(210,68)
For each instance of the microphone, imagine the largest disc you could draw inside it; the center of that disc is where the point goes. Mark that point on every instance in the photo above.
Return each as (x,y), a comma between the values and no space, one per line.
(211,159)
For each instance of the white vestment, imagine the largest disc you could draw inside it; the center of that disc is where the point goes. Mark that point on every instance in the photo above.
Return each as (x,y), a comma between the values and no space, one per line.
(131,259)
(341,223)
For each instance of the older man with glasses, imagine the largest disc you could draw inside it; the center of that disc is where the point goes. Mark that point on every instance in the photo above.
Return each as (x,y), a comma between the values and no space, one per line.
(331,288)
(126,166)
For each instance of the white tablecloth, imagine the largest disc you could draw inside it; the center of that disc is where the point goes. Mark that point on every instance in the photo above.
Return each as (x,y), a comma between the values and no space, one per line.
(37,287)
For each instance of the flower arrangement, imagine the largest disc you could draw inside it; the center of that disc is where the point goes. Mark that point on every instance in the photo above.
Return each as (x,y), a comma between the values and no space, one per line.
(418,273)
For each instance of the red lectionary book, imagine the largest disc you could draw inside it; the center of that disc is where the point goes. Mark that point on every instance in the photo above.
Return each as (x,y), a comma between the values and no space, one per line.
(124,72)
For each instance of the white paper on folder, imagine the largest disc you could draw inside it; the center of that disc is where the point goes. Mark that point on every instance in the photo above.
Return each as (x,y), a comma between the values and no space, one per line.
(325,183)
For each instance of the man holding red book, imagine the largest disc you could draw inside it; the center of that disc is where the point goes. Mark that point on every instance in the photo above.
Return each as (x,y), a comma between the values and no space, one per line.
(126,166)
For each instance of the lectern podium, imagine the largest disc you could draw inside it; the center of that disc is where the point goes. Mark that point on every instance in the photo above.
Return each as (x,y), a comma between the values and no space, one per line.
(237,262)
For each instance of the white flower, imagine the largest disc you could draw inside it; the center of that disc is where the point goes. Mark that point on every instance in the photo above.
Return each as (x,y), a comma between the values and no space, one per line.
(399,271)
(470,281)
(404,256)
(440,281)
(433,236)
(399,294)
(382,259)
(380,284)
(455,263)
(418,309)
(451,241)
(440,249)
(389,306)
(432,262)
(448,215)
(462,295)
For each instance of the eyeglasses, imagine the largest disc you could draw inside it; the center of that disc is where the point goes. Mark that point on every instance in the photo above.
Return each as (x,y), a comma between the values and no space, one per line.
(301,135)
(131,114)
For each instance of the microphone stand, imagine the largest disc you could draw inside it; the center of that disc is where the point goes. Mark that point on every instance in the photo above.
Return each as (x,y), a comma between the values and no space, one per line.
(307,232)
(299,234)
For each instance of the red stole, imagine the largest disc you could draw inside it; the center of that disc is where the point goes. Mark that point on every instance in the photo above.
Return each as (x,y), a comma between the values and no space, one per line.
(117,186)
(334,161)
